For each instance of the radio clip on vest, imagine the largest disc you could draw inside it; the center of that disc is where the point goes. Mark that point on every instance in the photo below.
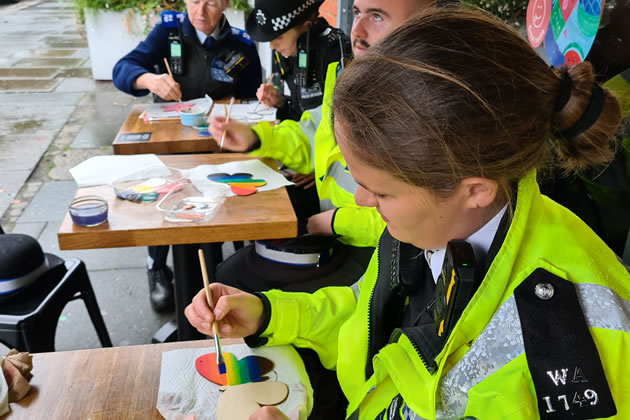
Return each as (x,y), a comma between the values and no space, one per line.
(172,22)
(456,285)
(303,74)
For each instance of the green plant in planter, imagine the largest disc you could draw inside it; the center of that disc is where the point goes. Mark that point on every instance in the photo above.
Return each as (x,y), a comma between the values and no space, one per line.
(144,7)
(511,12)
(242,5)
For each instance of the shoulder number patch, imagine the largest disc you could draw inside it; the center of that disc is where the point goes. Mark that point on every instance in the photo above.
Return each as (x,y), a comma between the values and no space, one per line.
(564,363)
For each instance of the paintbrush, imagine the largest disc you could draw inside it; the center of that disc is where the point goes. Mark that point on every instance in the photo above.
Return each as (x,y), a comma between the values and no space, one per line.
(268,83)
(215,327)
(227,121)
(168,68)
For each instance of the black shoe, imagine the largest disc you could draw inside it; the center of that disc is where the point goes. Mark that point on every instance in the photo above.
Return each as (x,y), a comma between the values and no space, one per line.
(161,289)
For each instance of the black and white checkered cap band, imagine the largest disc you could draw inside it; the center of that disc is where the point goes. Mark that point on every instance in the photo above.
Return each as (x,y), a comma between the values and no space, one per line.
(281,22)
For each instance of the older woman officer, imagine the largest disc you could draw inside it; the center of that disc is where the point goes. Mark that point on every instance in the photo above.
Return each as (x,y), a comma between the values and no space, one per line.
(209,46)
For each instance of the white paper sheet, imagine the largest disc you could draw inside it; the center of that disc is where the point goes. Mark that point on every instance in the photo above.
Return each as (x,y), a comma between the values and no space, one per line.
(246,113)
(102,170)
(259,170)
(183,391)
(165,110)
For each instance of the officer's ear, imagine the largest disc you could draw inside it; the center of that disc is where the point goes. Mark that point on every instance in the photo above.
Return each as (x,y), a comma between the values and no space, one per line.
(480,192)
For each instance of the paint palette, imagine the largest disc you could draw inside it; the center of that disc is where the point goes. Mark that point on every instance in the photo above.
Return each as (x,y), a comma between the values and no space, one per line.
(147,190)
(240,183)
(237,371)
(188,204)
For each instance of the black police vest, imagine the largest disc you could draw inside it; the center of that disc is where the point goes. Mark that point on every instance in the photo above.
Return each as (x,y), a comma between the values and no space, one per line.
(325,48)
(197,79)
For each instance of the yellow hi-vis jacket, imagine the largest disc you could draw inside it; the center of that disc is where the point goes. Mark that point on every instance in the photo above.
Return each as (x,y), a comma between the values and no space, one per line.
(309,145)
(482,369)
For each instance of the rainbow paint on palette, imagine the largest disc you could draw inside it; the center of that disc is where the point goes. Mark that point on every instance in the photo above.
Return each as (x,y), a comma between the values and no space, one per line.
(245,370)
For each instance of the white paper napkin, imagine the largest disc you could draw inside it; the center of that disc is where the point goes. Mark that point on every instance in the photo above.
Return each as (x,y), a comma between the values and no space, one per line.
(183,391)
(102,170)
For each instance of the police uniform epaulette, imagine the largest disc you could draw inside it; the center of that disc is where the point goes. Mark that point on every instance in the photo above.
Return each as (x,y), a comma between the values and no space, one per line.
(564,363)
(242,36)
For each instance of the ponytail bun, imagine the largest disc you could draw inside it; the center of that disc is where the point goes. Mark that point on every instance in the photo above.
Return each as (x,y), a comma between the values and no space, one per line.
(595,144)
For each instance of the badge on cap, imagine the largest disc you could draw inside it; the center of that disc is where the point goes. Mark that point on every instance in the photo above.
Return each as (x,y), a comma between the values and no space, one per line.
(261,19)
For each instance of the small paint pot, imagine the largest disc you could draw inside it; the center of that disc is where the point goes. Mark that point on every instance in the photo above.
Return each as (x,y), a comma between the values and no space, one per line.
(202,130)
(88,211)
(192,116)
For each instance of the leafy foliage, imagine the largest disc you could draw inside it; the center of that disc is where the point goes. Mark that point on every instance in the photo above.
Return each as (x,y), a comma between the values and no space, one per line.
(242,5)
(511,12)
(144,7)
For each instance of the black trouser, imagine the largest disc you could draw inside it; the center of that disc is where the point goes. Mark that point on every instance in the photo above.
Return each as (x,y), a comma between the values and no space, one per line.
(159,254)
(305,203)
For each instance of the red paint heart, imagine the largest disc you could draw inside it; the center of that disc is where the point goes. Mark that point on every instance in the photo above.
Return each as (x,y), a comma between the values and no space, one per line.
(242,190)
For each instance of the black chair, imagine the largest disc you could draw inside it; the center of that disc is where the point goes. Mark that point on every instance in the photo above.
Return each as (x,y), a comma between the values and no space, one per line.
(29,317)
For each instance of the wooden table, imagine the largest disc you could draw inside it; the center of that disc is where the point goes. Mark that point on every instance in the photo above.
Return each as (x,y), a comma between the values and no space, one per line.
(168,136)
(264,215)
(110,383)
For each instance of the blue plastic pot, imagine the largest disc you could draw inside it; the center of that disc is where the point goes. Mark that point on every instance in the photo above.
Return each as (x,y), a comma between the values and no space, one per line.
(192,116)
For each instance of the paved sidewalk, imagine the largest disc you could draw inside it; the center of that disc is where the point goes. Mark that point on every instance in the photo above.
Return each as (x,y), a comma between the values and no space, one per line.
(53,116)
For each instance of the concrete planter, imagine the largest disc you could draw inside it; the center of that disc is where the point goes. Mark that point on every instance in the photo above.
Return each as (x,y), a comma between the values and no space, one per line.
(111,35)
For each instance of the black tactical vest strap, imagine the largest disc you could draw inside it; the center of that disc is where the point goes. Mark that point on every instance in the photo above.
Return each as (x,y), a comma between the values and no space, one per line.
(564,363)
(197,62)
(385,304)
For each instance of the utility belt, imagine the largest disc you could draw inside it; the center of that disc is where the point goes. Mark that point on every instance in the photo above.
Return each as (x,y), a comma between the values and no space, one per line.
(304,251)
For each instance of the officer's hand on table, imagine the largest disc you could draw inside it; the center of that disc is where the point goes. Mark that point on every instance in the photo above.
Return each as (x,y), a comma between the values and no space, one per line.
(239,137)
(268,412)
(238,313)
(269,96)
(320,224)
(305,180)
(162,85)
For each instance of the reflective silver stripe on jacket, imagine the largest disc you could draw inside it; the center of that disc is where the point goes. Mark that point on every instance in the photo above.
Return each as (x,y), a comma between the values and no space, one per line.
(326,204)
(501,341)
(355,288)
(342,177)
(310,127)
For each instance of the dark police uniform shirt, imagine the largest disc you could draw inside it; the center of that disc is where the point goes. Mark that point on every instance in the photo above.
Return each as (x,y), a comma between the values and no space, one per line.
(202,63)
(325,48)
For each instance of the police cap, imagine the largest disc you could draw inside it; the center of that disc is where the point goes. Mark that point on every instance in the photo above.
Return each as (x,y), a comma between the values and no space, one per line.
(271,18)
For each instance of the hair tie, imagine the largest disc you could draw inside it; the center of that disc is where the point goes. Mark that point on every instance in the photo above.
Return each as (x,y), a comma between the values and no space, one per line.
(593,110)
(565,92)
